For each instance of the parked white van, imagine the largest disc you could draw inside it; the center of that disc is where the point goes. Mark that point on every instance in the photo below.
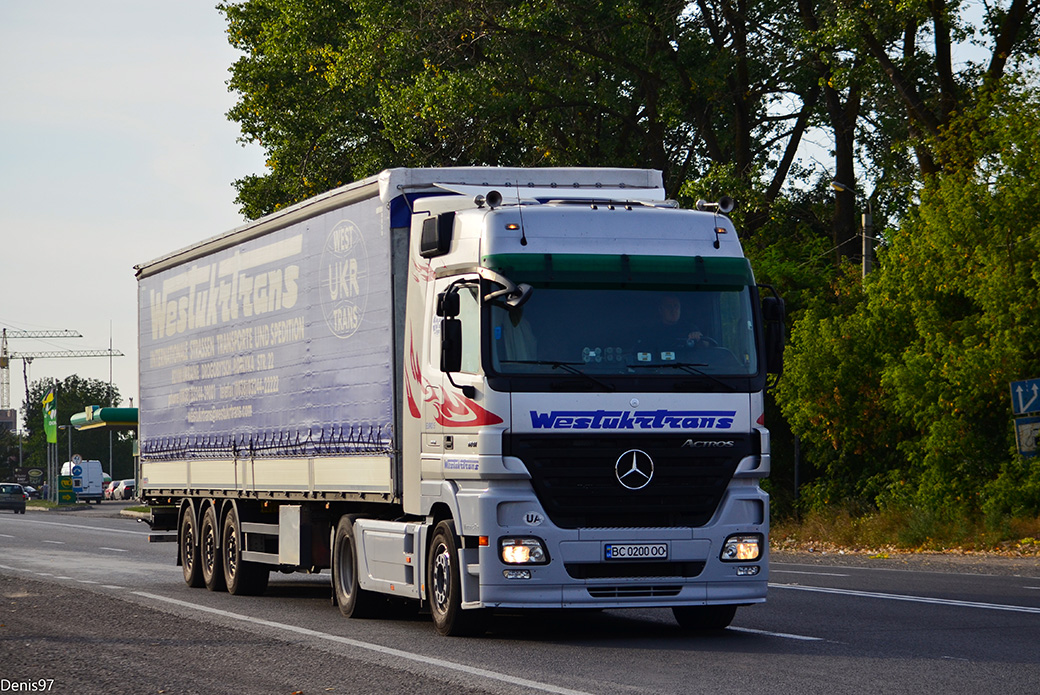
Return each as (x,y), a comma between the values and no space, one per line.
(87,479)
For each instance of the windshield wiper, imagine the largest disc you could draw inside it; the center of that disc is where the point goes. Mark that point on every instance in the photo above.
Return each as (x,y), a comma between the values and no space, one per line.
(570,367)
(688,367)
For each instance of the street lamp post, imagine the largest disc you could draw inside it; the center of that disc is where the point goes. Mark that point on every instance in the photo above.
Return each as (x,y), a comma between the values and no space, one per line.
(68,430)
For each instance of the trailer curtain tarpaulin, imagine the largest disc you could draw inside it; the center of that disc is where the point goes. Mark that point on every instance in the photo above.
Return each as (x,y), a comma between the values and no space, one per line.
(245,348)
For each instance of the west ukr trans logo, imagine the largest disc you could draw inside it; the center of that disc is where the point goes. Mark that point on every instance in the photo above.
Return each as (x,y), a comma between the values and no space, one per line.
(624,420)
(344,279)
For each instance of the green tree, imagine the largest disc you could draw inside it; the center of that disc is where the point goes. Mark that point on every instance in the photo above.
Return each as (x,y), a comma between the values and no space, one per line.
(8,454)
(907,384)
(336,91)
(912,48)
(73,395)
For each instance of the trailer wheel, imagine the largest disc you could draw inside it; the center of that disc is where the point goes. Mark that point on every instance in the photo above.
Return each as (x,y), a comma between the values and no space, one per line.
(209,553)
(244,578)
(353,601)
(704,617)
(188,538)
(444,588)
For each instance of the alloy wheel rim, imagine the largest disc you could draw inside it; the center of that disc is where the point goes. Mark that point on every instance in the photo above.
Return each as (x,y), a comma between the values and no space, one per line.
(441,578)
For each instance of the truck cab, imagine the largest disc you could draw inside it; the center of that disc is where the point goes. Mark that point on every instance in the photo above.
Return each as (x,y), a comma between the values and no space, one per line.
(583,371)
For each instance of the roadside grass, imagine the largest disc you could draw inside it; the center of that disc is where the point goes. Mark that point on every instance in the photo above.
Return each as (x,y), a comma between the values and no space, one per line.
(47,504)
(911,530)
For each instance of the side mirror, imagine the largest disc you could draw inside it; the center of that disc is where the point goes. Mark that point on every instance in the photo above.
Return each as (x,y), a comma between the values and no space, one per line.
(774,314)
(448,305)
(451,344)
(451,353)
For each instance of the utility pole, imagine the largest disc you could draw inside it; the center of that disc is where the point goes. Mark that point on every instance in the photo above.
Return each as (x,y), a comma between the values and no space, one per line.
(868,240)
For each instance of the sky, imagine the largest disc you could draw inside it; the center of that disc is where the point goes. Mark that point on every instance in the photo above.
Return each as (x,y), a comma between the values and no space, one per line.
(114,150)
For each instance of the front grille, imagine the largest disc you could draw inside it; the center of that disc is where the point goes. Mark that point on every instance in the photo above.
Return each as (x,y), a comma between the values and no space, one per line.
(633,570)
(633,591)
(575,479)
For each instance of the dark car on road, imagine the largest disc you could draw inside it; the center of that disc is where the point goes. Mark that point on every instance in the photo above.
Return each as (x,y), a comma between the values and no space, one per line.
(12,496)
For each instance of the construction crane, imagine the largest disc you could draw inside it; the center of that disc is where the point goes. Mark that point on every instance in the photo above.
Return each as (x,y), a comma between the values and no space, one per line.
(6,356)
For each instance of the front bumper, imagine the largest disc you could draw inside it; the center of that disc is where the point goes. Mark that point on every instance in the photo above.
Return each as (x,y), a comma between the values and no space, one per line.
(579,576)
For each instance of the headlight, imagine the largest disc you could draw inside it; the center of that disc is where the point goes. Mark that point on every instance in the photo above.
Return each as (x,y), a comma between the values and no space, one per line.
(523,551)
(742,549)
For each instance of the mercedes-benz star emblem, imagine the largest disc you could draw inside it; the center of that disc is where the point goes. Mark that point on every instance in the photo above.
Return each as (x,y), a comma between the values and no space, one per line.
(634,469)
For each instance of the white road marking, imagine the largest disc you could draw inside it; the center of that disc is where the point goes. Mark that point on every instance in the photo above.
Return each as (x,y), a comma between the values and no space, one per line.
(389,651)
(911,599)
(80,527)
(54,542)
(114,550)
(785,635)
(903,570)
(4,535)
(814,574)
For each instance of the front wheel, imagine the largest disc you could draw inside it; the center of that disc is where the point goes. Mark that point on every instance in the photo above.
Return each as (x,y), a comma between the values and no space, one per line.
(704,617)
(444,588)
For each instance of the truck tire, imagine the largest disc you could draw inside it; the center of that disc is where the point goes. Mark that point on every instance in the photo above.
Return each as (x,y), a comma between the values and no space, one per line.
(243,578)
(353,601)
(704,617)
(444,587)
(188,541)
(209,551)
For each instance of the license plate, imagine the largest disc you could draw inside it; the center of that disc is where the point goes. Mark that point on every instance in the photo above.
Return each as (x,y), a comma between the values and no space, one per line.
(636,551)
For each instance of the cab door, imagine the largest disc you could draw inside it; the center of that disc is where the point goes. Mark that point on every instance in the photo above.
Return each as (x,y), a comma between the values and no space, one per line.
(452,412)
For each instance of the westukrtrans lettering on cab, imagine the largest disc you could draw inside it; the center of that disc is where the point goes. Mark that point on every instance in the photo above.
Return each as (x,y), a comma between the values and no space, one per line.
(625,420)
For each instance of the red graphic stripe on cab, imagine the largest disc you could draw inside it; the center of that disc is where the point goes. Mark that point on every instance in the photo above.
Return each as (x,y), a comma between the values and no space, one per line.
(451,410)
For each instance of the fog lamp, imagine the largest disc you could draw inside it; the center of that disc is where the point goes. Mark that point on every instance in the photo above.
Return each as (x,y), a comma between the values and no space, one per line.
(516,574)
(523,551)
(742,548)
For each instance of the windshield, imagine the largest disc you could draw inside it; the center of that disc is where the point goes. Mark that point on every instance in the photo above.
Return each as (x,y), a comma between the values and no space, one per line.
(664,322)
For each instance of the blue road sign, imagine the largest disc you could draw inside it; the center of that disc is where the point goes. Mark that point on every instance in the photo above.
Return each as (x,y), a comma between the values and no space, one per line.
(1027,434)
(1025,396)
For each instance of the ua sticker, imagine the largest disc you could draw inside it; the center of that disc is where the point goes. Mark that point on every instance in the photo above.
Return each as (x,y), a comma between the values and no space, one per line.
(533,519)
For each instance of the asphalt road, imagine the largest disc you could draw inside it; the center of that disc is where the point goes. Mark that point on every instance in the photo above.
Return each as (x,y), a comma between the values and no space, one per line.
(88,606)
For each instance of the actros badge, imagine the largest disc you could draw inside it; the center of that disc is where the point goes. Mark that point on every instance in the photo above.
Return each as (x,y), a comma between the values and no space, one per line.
(634,469)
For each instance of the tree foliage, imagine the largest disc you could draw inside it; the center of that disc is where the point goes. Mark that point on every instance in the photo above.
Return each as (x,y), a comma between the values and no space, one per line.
(337,91)
(895,385)
(912,407)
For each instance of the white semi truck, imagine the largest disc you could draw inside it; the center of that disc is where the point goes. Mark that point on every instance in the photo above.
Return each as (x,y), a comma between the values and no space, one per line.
(471,389)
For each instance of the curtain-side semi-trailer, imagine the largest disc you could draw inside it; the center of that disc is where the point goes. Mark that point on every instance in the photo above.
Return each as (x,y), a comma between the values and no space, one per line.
(470,388)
